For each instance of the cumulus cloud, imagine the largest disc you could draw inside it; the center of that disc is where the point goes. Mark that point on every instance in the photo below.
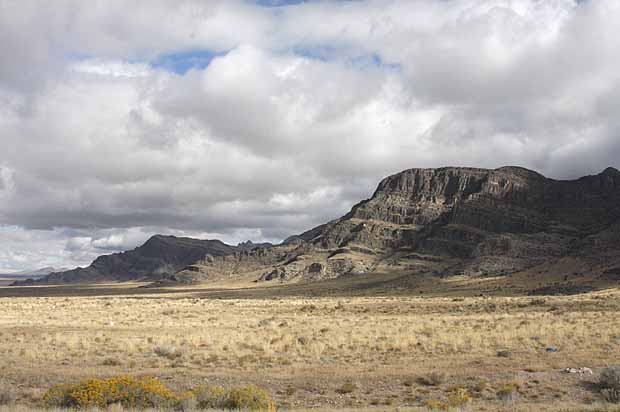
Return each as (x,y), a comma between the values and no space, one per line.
(282,116)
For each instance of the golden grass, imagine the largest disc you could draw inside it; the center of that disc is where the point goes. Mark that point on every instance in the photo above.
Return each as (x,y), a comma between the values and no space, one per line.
(558,407)
(385,347)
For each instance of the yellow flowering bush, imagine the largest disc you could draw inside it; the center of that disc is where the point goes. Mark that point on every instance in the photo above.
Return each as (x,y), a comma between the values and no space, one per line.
(132,393)
(142,393)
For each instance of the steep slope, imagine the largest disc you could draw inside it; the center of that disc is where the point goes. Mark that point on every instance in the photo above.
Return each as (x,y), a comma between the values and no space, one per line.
(426,204)
(444,222)
(447,221)
(159,256)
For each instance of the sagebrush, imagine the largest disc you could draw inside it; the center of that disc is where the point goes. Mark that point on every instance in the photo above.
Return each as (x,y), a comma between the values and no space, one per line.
(143,393)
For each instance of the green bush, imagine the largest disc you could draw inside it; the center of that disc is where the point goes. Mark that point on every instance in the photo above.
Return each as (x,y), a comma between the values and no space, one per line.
(248,398)
(209,397)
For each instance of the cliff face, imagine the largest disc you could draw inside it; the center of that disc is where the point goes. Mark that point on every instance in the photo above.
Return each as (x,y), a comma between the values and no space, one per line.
(447,221)
(422,196)
(443,222)
(508,199)
(416,204)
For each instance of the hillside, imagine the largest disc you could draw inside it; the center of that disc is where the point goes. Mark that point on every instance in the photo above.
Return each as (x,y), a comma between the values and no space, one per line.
(451,221)
(158,256)
(429,222)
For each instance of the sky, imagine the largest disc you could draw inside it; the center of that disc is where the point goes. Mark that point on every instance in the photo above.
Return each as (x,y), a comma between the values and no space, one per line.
(238,119)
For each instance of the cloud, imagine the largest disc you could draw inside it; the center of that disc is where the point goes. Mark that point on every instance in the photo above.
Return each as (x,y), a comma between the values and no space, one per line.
(278,98)
(232,120)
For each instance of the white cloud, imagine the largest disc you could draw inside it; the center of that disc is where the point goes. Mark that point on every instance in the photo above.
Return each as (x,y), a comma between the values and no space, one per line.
(111,68)
(297,117)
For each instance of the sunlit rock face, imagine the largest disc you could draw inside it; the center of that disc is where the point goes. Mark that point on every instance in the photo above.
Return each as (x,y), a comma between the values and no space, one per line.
(444,221)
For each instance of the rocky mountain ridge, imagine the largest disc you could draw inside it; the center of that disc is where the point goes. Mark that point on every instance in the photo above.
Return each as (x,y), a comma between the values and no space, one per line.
(158,256)
(441,222)
(445,221)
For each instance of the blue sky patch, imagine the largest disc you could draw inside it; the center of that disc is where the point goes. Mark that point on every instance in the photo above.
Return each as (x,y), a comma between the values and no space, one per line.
(323,53)
(278,3)
(327,53)
(181,62)
(373,60)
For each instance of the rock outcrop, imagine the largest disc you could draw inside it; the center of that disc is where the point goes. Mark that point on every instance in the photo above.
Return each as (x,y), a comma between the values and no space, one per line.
(436,209)
(447,221)
(444,222)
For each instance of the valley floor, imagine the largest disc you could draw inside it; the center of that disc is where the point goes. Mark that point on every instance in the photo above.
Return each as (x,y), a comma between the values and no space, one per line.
(368,353)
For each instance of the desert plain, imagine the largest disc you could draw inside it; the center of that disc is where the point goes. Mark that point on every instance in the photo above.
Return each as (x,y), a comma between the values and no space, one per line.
(313,350)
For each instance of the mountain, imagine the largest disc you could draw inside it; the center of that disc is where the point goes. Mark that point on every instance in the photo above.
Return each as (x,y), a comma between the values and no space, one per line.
(450,221)
(445,222)
(158,257)
(249,245)
(39,272)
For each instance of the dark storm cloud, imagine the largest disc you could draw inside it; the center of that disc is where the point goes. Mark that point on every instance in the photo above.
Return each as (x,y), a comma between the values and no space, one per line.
(294,114)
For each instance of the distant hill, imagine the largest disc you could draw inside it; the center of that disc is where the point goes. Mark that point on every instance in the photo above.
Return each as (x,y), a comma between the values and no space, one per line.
(443,222)
(39,272)
(159,256)
(31,274)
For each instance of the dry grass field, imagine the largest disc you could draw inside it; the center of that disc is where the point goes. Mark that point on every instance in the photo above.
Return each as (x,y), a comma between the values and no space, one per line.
(323,353)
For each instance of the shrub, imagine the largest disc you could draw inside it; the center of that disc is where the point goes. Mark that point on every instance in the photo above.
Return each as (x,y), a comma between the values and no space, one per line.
(169,352)
(611,395)
(132,393)
(209,397)
(610,378)
(290,390)
(508,392)
(111,362)
(249,398)
(609,382)
(408,382)
(435,405)
(434,378)
(458,398)
(480,386)
(186,402)
(346,388)
(144,393)
(7,394)
(504,354)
